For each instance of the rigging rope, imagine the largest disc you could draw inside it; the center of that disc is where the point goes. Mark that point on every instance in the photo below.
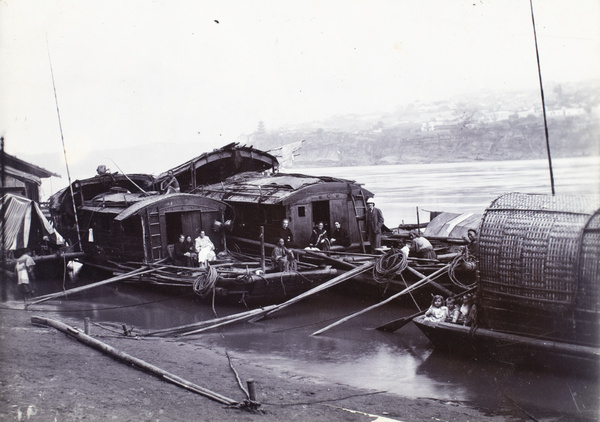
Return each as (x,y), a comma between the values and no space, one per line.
(205,282)
(464,261)
(389,265)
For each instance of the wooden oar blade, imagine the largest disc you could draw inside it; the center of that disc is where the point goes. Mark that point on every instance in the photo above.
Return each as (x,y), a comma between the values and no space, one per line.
(398,323)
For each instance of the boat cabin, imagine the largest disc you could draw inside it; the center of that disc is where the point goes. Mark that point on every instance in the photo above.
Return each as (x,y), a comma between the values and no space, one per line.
(139,227)
(538,267)
(62,205)
(215,166)
(258,199)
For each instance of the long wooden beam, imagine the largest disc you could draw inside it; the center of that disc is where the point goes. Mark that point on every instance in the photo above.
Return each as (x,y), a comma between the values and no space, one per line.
(134,273)
(115,353)
(383,302)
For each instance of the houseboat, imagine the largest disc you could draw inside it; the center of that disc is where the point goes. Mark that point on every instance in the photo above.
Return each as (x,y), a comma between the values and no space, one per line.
(261,199)
(538,284)
(218,165)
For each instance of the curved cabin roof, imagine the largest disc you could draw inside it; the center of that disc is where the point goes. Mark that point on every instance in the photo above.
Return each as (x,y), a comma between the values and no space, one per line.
(99,184)
(125,205)
(215,166)
(280,188)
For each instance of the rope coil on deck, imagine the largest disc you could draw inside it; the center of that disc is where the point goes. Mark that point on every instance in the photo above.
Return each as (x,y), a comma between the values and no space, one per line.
(389,265)
(464,261)
(205,283)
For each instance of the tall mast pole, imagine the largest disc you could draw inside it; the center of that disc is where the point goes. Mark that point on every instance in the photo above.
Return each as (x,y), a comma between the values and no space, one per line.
(65,152)
(537,55)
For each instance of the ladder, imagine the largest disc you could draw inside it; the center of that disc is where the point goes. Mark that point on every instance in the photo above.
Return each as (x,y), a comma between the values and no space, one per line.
(154,233)
(360,211)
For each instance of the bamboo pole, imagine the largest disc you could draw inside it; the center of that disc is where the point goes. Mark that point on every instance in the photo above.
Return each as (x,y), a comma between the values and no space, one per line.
(342,277)
(262,248)
(207,323)
(433,283)
(235,318)
(139,271)
(389,299)
(325,258)
(115,353)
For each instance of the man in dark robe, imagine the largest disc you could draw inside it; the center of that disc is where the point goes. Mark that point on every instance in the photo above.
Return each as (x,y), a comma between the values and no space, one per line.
(374,224)
(339,237)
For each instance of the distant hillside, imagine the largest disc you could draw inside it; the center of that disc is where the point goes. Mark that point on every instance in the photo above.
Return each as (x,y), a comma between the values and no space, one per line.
(491,127)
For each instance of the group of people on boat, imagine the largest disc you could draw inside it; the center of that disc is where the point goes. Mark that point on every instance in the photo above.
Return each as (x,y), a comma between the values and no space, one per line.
(457,310)
(194,253)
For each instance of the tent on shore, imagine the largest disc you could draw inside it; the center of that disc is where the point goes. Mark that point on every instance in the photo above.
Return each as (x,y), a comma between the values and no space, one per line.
(25,226)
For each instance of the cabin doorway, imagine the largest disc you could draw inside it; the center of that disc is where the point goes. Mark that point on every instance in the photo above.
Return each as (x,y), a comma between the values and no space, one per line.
(186,223)
(320,212)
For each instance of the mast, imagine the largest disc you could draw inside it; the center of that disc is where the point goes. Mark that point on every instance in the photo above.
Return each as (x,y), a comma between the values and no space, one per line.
(3,222)
(62,138)
(537,55)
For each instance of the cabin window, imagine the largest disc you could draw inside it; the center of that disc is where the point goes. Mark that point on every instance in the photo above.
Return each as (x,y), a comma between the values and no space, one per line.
(301,212)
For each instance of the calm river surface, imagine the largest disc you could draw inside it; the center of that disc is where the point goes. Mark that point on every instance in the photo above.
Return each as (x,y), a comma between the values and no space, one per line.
(464,187)
(354,353)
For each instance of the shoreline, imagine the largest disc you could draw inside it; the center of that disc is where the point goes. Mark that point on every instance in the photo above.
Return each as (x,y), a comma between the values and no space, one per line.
(47,375)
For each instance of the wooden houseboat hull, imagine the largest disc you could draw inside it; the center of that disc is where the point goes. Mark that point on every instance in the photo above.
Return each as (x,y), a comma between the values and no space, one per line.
(252,288)
(513,349)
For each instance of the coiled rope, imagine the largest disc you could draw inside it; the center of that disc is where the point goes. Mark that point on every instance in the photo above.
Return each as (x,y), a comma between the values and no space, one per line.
(389,265)
(464,261)
(205,283)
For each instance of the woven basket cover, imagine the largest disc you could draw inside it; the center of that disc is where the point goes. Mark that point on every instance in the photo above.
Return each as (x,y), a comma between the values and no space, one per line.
(541,251)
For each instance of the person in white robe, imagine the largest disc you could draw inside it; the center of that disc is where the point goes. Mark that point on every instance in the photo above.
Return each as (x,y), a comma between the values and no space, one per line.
(205,249)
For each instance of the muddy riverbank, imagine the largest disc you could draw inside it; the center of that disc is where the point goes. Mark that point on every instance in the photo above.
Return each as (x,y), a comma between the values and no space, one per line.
(47,375)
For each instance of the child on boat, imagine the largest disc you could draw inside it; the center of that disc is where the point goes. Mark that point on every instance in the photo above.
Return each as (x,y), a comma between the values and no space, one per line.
(467,310)
(453,306)
(437,312)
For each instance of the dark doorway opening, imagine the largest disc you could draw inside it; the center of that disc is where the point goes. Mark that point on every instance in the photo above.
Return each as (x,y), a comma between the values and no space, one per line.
(320,211)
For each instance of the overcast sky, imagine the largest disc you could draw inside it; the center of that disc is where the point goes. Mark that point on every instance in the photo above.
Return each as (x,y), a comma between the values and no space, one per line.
(132,72)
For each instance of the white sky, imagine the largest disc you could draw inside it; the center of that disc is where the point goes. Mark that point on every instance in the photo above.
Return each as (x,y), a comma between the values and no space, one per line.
(133,72)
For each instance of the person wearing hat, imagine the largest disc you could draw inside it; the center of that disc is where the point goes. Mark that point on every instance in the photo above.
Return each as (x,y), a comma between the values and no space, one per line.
(374,224)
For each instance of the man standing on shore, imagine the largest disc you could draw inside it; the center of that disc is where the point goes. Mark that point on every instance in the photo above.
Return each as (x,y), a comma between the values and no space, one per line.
(374,223)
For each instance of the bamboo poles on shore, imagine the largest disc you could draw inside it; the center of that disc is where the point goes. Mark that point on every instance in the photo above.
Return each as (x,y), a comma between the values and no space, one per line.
(117,354)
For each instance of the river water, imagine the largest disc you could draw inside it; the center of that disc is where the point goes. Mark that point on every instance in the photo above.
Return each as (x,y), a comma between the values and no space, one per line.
(464,187)
(354,353)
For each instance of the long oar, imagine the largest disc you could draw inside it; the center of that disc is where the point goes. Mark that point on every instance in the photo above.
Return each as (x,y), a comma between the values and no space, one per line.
(389,299)
(337,280)
(139,271)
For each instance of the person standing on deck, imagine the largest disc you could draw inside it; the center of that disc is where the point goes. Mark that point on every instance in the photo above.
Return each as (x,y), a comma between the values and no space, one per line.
(374,224)
(286,234)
